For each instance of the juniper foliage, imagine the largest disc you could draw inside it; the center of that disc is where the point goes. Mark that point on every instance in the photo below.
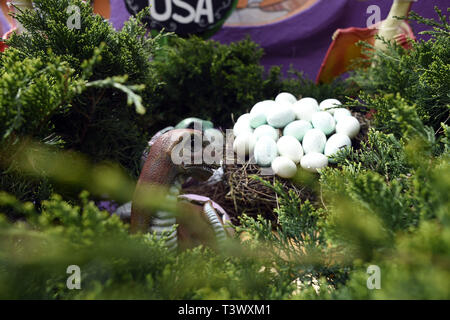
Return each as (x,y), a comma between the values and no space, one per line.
(98,121)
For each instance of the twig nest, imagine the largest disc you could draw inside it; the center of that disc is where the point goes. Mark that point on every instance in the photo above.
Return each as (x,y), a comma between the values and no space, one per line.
(244,144)
(297,129)
(281,115)
(305,108)
(349,126)
(284,167)
(242,125)
(341,112)
(286,97)
(265,151)
(323,121)
(314,161)
(314,141)
(330,105)
(291,148)
(337,142)
(266,130)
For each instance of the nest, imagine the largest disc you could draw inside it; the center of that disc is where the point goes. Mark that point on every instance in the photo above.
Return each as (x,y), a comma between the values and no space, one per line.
(238,193)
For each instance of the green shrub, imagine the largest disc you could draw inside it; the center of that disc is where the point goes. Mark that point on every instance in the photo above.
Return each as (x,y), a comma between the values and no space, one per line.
(98,121)
(114,264)
(208,79)
(32,93)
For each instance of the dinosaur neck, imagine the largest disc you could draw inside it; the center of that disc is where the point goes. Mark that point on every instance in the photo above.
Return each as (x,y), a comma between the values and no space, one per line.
(400,8)
(158,171)
(390,27)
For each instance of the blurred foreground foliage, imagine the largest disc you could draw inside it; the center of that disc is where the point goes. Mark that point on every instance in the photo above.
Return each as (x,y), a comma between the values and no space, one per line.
(385,204)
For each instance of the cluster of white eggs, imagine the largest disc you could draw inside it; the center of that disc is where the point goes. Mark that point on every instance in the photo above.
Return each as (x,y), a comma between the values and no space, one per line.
(284,133)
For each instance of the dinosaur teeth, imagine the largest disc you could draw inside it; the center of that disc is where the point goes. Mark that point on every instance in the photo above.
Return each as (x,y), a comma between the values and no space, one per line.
(164,222)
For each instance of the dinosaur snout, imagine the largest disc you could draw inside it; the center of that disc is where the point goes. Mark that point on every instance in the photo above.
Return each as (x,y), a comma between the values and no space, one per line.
(187,152)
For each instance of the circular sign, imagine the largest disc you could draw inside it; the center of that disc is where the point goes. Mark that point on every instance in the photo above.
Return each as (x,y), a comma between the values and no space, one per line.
(184,17)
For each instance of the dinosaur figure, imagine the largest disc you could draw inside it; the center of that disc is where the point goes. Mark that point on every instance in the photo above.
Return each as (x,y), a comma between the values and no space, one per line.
(196,224)
(344,47)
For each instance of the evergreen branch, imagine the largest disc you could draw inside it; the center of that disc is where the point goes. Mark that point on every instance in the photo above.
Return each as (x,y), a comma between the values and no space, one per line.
(117,82)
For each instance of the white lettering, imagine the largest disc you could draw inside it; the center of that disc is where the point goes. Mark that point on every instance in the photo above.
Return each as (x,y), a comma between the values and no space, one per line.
(74,281)
(374,281)
(202,10)
(181,19)
(375,17)
(161,16)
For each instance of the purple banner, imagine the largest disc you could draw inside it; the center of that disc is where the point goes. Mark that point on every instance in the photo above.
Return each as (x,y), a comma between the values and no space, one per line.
(297,32)
(292,32)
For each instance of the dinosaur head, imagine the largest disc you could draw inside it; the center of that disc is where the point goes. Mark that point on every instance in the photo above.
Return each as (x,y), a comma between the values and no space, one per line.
(174,156)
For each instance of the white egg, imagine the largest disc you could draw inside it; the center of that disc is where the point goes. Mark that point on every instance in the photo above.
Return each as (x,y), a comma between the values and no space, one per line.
(305,108)
(287,97)
(314,161)
(262,106)
(266,130)
(258,114)
(281,115)
(337,142)
(244,117)
(341,112)
(349,126)
(257,119)
(284,167)
(297,129)
(314,141)
(329,105)
(290,147)
(323,121)
(244,144)
(242,126)
(265,151)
